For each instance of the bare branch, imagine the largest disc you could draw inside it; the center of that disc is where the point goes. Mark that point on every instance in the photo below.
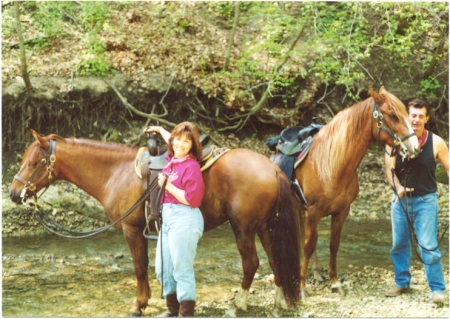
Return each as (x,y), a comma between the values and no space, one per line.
(168,89)
(230,127)
(138,112)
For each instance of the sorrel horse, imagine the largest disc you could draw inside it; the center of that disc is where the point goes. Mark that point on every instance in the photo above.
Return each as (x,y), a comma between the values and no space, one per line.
(242,187)
(329,173)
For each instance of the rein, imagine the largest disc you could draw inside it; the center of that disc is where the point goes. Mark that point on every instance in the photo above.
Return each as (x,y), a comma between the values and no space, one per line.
(44,219)
(47,222)
(382,124)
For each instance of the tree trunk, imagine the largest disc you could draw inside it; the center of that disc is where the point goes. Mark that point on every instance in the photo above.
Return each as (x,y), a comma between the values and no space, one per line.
(233,32)
(434,60)
(23,60)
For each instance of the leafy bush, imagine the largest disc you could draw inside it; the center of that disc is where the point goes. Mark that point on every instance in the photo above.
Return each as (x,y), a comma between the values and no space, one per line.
(94,65)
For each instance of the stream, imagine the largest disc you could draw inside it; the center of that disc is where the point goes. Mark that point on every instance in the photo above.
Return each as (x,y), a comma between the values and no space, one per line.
(50,276)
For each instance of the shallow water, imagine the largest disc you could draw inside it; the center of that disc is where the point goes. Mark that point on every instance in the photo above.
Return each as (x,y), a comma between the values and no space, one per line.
(50,276)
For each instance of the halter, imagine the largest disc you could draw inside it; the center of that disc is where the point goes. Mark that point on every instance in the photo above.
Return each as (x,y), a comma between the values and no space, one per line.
(382,124)
(49,160)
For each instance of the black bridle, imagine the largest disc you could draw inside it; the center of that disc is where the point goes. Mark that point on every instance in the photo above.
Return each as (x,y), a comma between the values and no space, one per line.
(49,159)
(382,124)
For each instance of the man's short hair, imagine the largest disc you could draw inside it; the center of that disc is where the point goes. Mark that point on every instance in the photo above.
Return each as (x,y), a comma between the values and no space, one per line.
(418,104)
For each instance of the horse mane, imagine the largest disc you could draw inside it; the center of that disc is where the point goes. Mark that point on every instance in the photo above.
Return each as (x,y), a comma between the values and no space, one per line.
(93,146)
(395,105)
(330,153)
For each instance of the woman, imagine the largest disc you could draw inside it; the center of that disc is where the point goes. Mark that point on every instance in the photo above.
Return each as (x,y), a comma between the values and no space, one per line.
(182,220)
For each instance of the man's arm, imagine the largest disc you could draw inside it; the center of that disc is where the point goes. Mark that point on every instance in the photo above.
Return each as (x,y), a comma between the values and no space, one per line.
(441,151)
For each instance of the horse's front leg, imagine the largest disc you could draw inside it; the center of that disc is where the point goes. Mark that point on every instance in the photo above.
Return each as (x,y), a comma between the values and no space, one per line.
(337,221)
(310,247)
(139,252)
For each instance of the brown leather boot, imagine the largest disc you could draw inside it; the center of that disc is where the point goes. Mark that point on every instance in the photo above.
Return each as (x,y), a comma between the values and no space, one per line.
(187,308)
(172,306)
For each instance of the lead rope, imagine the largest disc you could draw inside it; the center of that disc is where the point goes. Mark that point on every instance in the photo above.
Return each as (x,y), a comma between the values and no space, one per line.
(412,232)
(47,222)
(160,198)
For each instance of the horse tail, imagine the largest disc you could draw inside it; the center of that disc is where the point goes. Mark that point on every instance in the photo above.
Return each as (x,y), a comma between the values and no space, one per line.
(284,225)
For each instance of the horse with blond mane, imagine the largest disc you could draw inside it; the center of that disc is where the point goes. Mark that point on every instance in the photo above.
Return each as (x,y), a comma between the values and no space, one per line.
(329,174)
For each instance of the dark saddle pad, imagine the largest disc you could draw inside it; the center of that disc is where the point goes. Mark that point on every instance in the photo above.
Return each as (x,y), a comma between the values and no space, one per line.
(291,142)
(292,139)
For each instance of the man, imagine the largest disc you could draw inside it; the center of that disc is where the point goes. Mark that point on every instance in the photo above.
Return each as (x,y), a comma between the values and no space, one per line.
(415,187)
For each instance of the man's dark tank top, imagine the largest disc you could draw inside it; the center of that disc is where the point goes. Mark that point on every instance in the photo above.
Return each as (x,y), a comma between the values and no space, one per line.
(420,171)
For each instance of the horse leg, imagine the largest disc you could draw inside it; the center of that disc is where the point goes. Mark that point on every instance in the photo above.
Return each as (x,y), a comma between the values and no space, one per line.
(280,300)
(250,263)
(316,272)
(139,252)
(310,247)
(337,221)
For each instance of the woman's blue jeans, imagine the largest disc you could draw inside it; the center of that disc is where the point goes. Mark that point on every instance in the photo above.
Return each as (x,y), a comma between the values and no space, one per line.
(423,214)
(181,230)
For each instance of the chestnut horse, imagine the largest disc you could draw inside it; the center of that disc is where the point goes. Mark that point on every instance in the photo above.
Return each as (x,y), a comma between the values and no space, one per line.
(242,187)
(329,173)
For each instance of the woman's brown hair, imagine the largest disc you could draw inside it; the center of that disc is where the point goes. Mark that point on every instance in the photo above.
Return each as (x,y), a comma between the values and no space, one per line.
(192,133)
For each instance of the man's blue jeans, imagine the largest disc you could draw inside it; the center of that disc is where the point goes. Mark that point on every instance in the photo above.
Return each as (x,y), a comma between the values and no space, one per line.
(177,244)
(423,214)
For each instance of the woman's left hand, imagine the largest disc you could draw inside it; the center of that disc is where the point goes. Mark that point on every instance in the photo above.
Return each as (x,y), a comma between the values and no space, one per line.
(161,178)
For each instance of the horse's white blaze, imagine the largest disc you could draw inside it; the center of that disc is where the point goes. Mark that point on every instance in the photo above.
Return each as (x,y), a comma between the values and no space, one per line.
(280,301)
(241,299)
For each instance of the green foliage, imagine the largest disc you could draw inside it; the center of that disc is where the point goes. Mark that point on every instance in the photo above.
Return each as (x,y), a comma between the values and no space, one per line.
(94,65)
(441,176)
(53,18)
(39,43)
(429,87)
(8,24)
(225,9)
(49,16)
(94,14)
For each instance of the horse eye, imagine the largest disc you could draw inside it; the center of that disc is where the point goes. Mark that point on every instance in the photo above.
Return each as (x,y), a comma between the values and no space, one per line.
(393,117)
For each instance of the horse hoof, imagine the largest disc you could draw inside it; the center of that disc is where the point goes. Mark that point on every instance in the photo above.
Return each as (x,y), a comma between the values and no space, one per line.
(135,312)
(337,289)
(241,299)
(280,301)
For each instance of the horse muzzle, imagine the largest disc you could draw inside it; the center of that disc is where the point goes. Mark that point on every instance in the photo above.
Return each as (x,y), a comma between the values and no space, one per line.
(412,149)
(15,196)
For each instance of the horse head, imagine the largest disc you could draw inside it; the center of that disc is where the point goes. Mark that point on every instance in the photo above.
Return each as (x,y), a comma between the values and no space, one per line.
(36,169)
(392,124)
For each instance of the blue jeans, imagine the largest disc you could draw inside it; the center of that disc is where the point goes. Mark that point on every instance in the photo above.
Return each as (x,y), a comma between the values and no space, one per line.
(423,214)
(177,244)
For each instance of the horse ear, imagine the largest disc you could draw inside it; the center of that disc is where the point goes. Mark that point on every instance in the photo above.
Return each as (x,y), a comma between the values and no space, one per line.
(39,139)
(378,98)
(383,90)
